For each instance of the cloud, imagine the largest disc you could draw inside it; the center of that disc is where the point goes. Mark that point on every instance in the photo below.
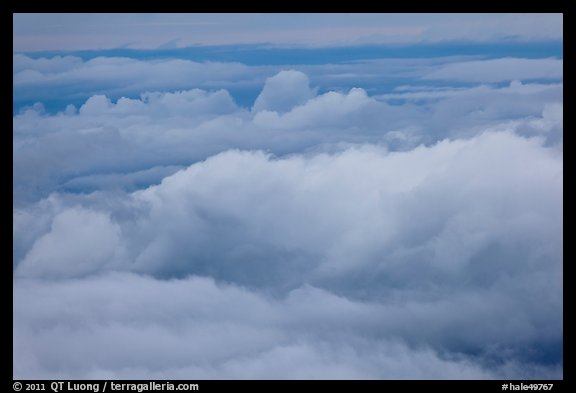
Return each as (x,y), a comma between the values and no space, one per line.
(90,247)
(193,203)
(117,76)
(338,260)
(284,91)
(32,32)
(193,103)
(348,109)
(496,70)
(380,219)
(129,326)
(78,79)
(104,138)
(120,181)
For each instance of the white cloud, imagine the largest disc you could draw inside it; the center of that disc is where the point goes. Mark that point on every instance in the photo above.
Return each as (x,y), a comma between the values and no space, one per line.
(36,79)
(54,65)
(284,91)
(346,110)
(223,188)
(192,103)
(108,137)
(338,260)
(496,70)
(163,229)
(128,326)
(80,240)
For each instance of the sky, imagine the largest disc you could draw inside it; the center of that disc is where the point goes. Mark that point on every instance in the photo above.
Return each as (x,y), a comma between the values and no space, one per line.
(37,32)
(288,196)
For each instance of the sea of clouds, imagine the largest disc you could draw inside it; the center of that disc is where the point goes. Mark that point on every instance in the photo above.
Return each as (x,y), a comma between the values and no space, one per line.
(162,230)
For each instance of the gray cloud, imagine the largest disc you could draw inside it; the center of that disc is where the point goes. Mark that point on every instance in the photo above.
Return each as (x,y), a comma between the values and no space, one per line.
(161,229)
(78,79)
(129,326)
(34,79)
(447,256)
(100,31)
(106,137)
(284,91)
(496,70)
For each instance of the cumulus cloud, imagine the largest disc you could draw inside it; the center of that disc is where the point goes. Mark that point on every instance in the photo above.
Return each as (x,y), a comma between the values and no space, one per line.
(106,137)
(461,237)
(163,229)
(284,91)
(77,79)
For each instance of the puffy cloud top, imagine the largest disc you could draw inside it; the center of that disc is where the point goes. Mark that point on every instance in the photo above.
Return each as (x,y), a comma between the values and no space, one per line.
(284,91)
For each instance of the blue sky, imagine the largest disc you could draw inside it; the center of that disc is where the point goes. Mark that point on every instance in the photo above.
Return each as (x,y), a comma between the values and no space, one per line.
(307,196)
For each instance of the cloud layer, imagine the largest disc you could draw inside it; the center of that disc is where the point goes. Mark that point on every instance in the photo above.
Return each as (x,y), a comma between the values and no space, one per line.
(32,32)
(129,326)
(331,228)
(452,250)
(104,143)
